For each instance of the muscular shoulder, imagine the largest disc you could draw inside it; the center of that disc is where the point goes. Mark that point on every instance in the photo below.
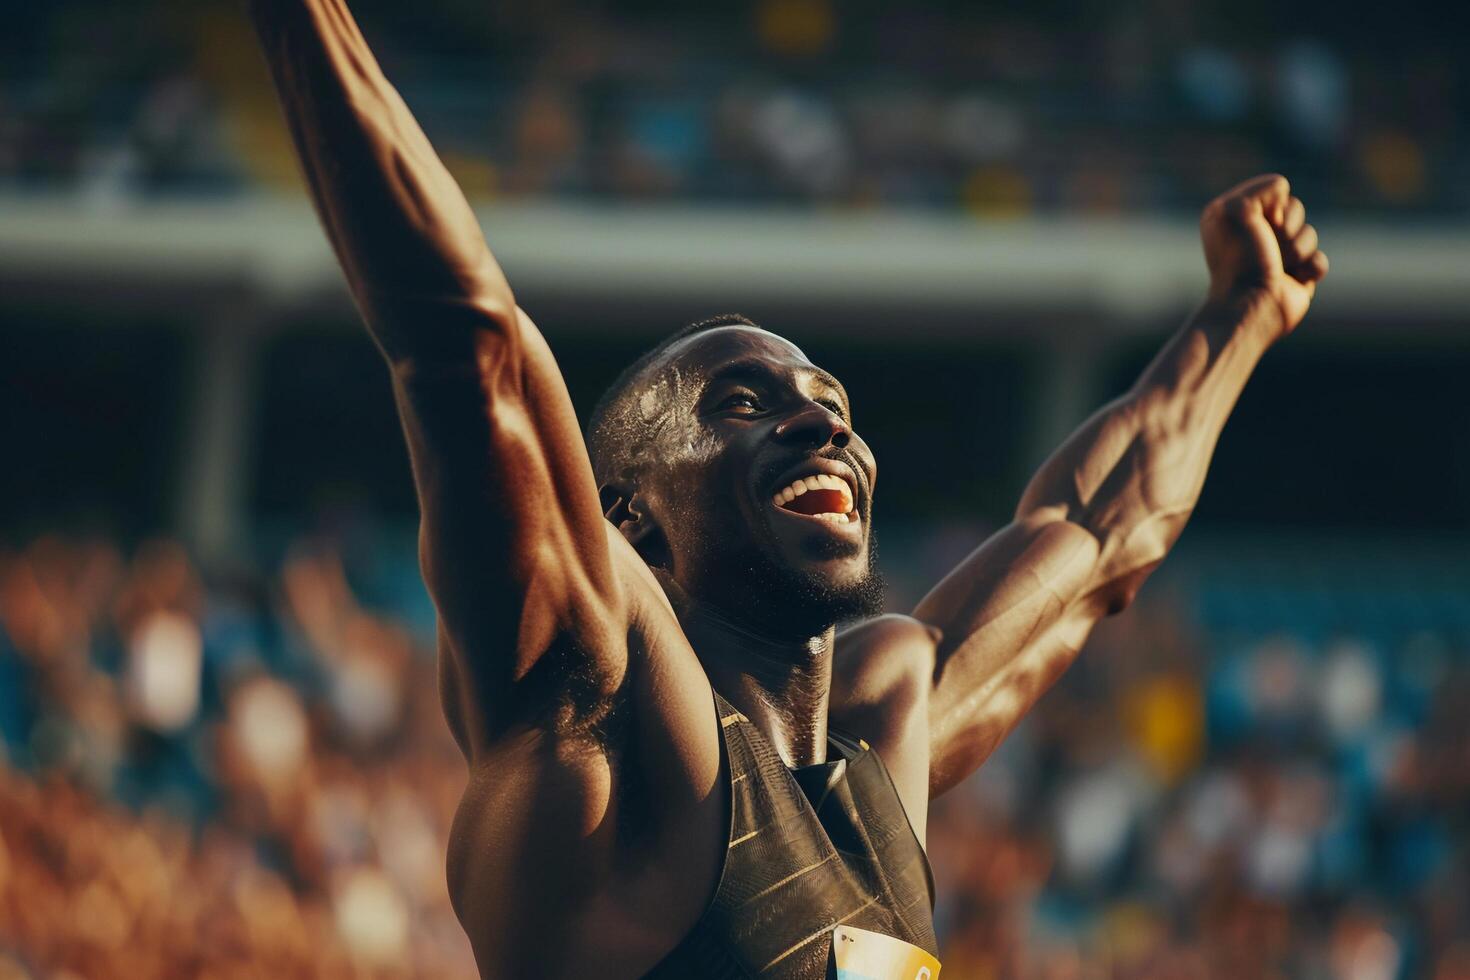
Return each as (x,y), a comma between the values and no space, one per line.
(885,664)
(882,674)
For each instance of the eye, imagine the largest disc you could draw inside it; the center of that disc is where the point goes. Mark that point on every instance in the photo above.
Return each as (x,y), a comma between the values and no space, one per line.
(740,403)
(834,407)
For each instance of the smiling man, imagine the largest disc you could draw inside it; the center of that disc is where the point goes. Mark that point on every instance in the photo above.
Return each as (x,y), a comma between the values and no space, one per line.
(678,766)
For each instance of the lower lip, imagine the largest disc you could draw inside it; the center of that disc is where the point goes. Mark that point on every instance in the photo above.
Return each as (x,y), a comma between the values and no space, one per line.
(853,525)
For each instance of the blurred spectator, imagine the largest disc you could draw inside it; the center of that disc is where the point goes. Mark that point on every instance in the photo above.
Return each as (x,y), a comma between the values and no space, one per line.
(192,821)
(997,112)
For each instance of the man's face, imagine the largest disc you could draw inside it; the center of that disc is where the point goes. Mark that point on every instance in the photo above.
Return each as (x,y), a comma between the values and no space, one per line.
(762,490)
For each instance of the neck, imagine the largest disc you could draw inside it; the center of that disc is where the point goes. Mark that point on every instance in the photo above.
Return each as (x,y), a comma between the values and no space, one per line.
(781,684)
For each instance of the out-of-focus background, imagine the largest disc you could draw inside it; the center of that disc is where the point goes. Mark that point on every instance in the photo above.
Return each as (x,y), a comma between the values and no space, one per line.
(221,753)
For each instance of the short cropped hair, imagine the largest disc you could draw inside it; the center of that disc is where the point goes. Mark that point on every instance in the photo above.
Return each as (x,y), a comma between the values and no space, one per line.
(616,434)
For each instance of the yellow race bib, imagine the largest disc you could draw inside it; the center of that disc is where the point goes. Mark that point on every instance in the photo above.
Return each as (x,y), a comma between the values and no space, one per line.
(864,955)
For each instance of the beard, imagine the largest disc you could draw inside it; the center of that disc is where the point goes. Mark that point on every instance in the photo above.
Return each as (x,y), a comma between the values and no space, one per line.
(786,600)
(737,565)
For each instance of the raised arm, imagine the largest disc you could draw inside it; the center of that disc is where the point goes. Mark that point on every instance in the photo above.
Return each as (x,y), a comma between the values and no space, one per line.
(1108,505)
(401,228)
(513,545)
(549,623)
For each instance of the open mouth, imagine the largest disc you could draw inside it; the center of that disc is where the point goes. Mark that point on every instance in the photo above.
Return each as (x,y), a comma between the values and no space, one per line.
(821,496)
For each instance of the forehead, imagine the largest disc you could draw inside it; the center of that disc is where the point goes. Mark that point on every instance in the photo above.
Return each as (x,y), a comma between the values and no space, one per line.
(704,354)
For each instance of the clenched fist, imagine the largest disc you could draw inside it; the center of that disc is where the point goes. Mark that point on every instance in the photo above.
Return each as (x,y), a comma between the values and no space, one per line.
(1259,247)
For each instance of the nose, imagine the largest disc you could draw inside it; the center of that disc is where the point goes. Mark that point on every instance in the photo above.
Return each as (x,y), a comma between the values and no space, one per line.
(815,426)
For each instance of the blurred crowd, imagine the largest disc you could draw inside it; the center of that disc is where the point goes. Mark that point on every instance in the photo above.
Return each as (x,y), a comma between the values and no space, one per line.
(1208,795)
(246,775)
(996,109)
(236,779)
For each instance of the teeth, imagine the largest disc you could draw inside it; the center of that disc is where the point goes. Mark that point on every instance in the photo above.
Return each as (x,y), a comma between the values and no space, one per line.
(821,481)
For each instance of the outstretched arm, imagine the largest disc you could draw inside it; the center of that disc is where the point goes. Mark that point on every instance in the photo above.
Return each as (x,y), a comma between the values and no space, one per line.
(399,224)
(548,620)
(1106,508)
(513,546)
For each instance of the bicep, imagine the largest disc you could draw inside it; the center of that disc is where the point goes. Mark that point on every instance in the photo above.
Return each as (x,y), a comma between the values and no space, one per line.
(968,723)
(1019,579)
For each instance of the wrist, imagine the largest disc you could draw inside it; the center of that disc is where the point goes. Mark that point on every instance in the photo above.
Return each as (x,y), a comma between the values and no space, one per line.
(1253,312)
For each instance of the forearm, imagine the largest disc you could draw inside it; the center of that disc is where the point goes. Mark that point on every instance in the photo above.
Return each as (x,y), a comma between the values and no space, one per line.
(1097,518)
(1105,509)
(1132,474)
(401,228)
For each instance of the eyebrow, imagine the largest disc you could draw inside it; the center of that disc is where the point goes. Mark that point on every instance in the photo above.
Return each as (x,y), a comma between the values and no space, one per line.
(760,371)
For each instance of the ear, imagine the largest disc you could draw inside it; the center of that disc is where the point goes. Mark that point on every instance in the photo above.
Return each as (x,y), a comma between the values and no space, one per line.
(623,506)
(627,509)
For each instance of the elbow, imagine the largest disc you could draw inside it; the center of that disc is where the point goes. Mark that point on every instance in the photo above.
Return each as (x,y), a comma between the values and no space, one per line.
(1127,552)
(1118,593)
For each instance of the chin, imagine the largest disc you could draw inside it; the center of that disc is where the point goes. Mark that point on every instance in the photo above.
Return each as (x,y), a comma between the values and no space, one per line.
(796,584)
(839,574)
(809,596)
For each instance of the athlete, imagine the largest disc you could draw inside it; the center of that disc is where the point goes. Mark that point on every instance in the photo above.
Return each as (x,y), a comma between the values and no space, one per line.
(679,767)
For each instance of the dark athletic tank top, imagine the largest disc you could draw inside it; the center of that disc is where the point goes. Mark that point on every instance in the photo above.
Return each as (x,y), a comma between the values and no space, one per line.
(809,849)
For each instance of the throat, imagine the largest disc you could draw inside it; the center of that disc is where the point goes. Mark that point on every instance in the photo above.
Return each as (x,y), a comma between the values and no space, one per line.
(782,686)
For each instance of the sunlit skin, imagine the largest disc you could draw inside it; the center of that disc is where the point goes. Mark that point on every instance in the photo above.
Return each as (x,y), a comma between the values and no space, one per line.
(749,415)
(581,627)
